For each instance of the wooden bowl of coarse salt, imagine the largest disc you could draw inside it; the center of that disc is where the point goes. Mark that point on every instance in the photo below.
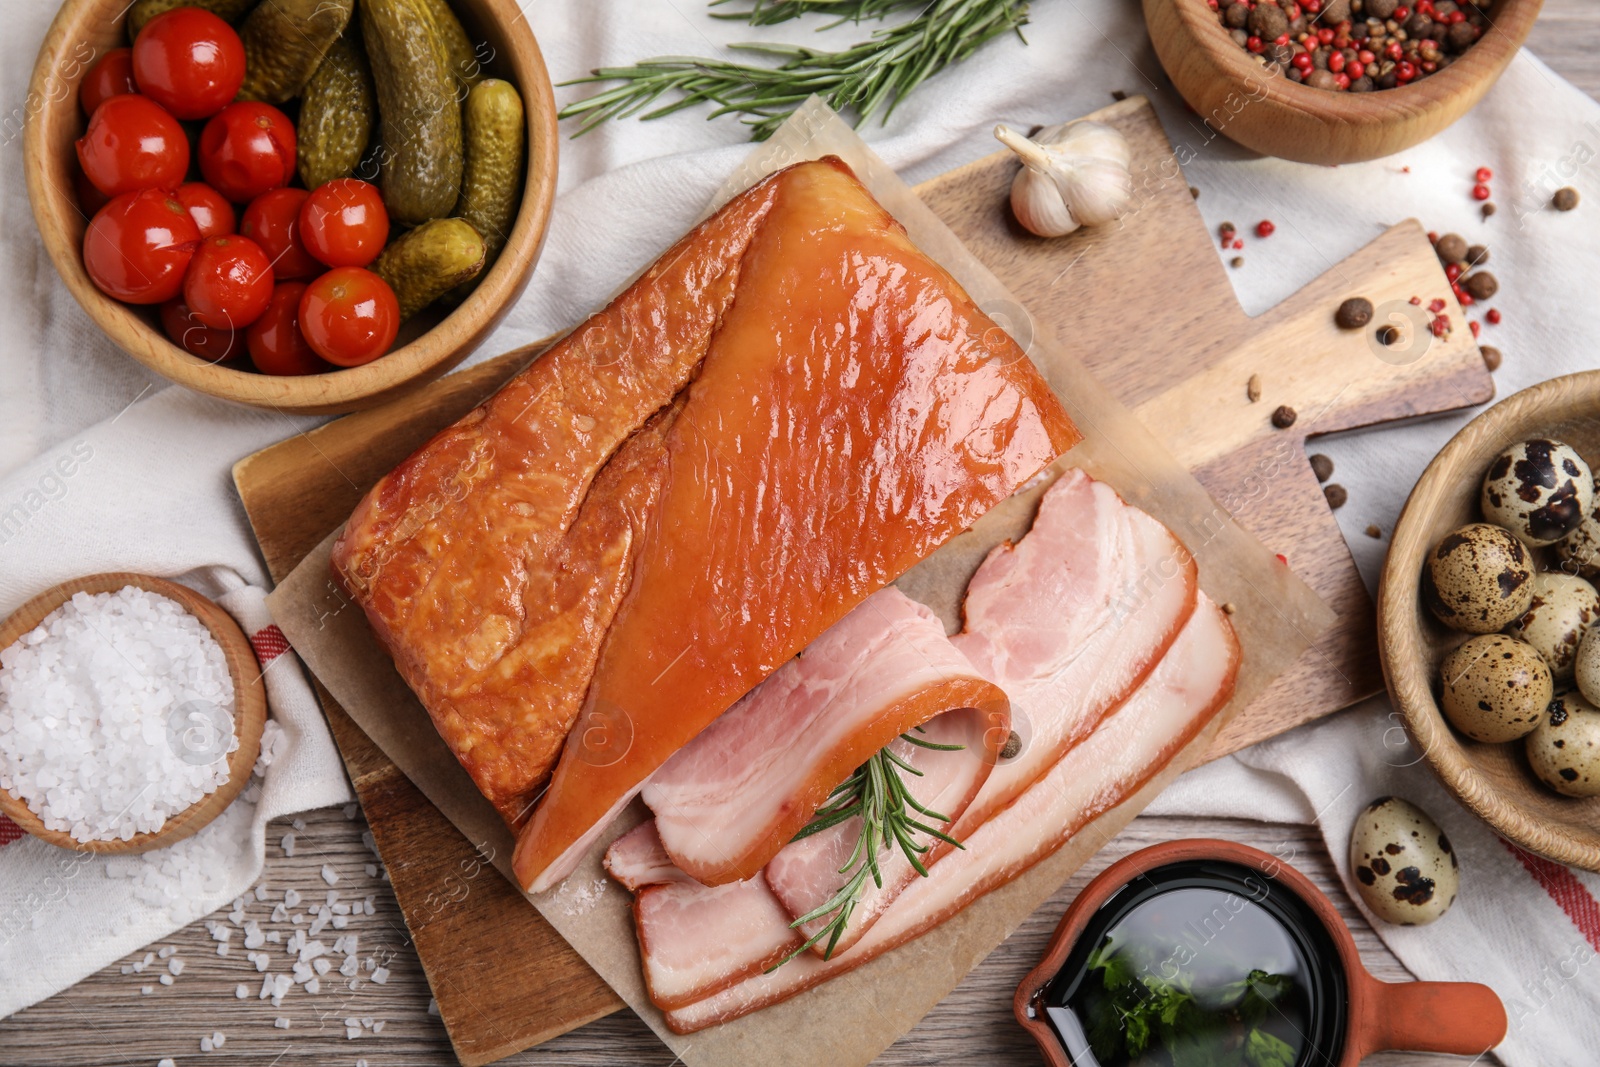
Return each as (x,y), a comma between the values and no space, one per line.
(130,717)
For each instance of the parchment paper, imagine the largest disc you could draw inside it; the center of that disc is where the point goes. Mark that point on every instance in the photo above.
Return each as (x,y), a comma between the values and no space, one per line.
(845,1022)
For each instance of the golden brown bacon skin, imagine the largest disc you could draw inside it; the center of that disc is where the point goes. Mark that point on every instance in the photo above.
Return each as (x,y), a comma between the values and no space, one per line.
(789,410)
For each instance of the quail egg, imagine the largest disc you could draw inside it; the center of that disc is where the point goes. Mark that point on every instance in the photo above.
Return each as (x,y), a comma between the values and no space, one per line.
(1559,615)
(1565,748)
(1404,866)
(1586,666)
(1540,490)
(1494,688)
(1478,579)
(1579,552)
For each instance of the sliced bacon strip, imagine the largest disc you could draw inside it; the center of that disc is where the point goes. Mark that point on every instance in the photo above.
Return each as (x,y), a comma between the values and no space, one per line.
(1069,621)
(1192,683)
(673,913)
(805,874)
(728,801)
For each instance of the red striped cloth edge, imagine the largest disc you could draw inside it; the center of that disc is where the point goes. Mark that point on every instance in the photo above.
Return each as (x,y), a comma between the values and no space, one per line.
(1564,888)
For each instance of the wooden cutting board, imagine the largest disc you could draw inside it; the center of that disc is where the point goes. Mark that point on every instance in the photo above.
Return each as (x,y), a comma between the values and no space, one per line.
(1148,305)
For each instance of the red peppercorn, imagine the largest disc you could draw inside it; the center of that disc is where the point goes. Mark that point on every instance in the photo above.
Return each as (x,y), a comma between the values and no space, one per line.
(1336,62)
(1212,4)
(1303,62)
(1436,305)
(1474,327)
(1393,50)
(1325,35)
(1282,558)
(1255,45)
(1238,245)
(1464,298)
(1311,6)
(1480,192)
(1354,69)
(1493,316)
(1265,228)
(1404,71)
(1429,66)
(1416,301)
(1483,174)
(1401,14)
(1452,271)
(1433,235)
(1294,12)
(1282,39)
(1440,326)
(1366,57)
(1457,16)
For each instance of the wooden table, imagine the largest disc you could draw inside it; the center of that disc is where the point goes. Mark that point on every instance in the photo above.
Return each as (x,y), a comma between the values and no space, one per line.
(105,1019)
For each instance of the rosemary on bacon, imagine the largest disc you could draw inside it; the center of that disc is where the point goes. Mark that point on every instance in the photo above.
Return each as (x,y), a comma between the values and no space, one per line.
(874,74)
(878,794)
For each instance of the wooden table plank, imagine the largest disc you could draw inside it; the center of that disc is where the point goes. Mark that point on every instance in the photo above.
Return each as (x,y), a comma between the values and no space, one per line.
(105,1019)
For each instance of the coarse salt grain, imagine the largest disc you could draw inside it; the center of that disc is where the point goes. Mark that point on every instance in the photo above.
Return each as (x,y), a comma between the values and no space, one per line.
(111,715)
(330,875)
(281,1023)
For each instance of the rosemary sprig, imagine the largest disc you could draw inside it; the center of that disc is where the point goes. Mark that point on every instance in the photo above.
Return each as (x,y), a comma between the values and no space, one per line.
(875,74)
(771,12)
(877,793)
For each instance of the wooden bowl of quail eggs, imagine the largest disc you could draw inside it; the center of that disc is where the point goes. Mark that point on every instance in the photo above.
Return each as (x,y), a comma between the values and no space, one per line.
(1489,618)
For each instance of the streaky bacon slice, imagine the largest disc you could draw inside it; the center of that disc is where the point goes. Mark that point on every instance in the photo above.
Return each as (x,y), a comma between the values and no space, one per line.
(672,913)
(1190,686)
(1069,621)
(732,798)
(854,410)
(805,874)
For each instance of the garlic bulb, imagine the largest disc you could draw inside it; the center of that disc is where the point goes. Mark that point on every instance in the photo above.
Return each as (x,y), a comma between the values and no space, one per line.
(1076,174)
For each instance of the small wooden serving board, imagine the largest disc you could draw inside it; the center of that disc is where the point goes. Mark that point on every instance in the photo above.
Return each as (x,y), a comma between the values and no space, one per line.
(1175,346)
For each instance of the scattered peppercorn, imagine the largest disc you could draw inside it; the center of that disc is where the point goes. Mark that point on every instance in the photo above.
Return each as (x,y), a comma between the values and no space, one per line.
(1493,316)
(1013,746)
(1477,255)
(1228,608)
(1481,284)
(1194,193)
(1265,228)
(1488,209)
(1321,466)
(1236,261)
(1491,357)
(1252,388)
(1484,174)
(1373,532)
(1283,416)
(1480,192)
(1353,313)
(1335,495)
(1118,95)
(1452,248)
(1565,199)
(1388,335)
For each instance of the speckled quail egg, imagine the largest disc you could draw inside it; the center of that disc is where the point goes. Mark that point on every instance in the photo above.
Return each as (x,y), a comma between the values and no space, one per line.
(1586,666)
(1565,748)
(1540,490)
(1562,609)
(1579,551)
(1404,866)
(1478,579)
(1494,688)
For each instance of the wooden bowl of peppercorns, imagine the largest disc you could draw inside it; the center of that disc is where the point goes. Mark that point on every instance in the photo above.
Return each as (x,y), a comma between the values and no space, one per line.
(1292,95)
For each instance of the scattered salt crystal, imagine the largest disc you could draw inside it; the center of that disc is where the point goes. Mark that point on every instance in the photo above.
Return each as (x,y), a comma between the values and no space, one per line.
(222,933)
(166,953)
(366,1020)
(222,949)
(146,990)
(291,898)
(381,975)
(175,965)
(371,869)
(218,1039)
(302,973)
(330,875)
(205,1044)
(297,918)
(352,1032)
(266,987)
(367,904)
(369,963)
(127,968)
(165,979)
(287,844)
(168,1062)
(351,811)
(241,992)
(433,1006)
(281,984)
(333,897)
(348,967)
(149,958)
(378,1026)
(314,986)
(340,921)
(111,696)
(281,1023)
(322,966)
(273,936)
(298,824)
(361,1063)
(261,892)
(371,842)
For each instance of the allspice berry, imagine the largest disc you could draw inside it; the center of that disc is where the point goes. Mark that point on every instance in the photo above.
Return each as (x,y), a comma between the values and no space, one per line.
(1268,22)
(1373,532)
(1487,209)
(1321,466)
(1335,12)
(1321,79)
(1388,335)
(1380,9)
(1477,255)
(1491,357)
(1236,15)
(1565,199)
(1452,248)
(1460,36)
(1353,313)
(1335,495)
(1481,284)
(1283,416)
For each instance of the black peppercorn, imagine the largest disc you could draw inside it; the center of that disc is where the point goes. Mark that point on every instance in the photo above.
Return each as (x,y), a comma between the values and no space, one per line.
(1335,495)
(1353,313)
(1321,466)
(1283,416)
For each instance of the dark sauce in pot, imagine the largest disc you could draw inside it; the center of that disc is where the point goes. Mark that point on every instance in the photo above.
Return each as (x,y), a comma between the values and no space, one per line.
(1201,964)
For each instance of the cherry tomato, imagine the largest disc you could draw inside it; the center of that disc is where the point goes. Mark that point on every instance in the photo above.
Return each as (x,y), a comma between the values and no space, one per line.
(112,76)
(350,316)
(189,61)
(246,149)
(344,223)
(276,344)
(90,199)
(209,209)
(139,246)
(189,333)
(273,221)
(229,283)
(133,144)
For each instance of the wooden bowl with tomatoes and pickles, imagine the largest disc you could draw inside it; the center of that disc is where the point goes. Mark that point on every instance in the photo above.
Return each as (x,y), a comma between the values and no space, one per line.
(287,206)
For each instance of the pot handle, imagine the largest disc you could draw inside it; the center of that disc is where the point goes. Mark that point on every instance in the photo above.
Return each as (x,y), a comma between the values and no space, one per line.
(1457,1018)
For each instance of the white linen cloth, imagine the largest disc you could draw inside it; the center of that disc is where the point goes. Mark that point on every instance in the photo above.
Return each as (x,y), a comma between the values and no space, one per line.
(157,496)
